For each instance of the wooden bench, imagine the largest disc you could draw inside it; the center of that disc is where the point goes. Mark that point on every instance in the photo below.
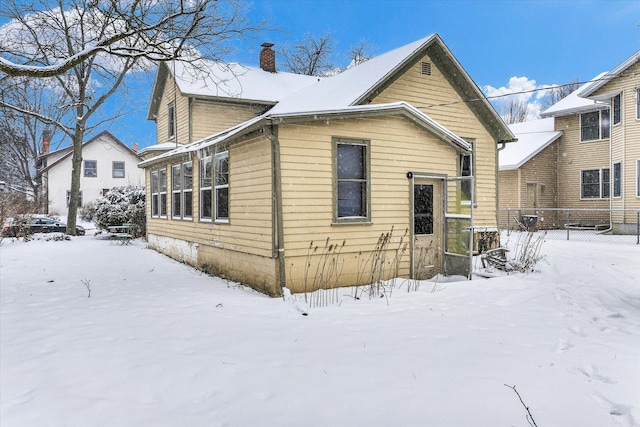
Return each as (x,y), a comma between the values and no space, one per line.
(121,233)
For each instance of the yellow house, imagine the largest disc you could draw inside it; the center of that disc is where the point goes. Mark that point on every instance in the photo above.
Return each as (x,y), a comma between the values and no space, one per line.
(281,180)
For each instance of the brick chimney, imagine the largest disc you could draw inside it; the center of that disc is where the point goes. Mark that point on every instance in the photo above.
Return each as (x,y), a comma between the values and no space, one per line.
(135,147)
(268,58)
(46,141)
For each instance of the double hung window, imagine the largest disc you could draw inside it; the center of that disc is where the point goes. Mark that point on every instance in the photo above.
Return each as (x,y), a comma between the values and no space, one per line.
(176,191)
(91,168)
(205,188)
(594,125)
(617,179)
(617,109)
(155,196)
(162,181)
(117,170)
(352,180)
(221,186)
(594,184)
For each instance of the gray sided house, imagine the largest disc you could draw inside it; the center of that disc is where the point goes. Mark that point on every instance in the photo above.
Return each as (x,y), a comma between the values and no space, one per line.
(275,179)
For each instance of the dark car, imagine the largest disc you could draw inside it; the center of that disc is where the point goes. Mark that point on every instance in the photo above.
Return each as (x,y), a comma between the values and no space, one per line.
(31,225)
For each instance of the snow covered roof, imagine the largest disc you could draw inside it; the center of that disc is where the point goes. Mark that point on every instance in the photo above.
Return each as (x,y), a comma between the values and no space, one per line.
(231,82)
(575,102)
(533,137)
(604,79)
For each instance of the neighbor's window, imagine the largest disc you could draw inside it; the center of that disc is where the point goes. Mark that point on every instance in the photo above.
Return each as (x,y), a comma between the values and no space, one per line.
(171,120)
(594,125)
(617,116)
(352,180)
(221,186)
(91,168)
(205,188)
(638,178)
(79,198)
(154,193)
(187,184)
(118,170)
(594,184)
(617,179)
(162,181)
(176,194)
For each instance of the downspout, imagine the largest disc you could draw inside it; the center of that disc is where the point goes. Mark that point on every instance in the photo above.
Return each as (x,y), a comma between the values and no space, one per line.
(501,146)
(277,221)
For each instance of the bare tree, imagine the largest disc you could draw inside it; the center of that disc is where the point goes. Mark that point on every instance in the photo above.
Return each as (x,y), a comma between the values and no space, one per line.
(360,52)
(310,56)
(557,93)
(514,112)
(68,42)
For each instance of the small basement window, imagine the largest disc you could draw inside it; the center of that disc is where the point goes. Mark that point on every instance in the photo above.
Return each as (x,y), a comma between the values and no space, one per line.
(426,68)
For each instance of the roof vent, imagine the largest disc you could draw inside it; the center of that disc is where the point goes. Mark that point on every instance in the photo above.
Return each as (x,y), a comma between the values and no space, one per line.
(426,68)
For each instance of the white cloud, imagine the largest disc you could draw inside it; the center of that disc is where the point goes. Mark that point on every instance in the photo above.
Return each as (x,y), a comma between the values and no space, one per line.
(521,89)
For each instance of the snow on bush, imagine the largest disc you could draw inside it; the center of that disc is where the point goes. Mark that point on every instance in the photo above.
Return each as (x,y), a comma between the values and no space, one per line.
(122,205)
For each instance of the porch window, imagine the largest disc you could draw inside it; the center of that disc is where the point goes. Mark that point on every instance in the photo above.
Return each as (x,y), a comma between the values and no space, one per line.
(117,170)
(617,179)
(352,180)
(187,193)
(205,188)
(594,184)
(221,186)
(162,181)
(154,193)
(176,193)
(594,125)
(91,168)
(617,116)
(423,209)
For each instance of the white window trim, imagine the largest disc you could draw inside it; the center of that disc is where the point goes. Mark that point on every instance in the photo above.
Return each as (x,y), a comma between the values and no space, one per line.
(174,191)
(214,195)
(156,194)
(113,169)
(600,137)
(600,183)
(612,116)
(201,188)
(186,190)
(84,166)
(613,181)
(161,193)
(171,120)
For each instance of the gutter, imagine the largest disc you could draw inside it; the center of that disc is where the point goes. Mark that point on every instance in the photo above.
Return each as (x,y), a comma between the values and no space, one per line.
(277,234)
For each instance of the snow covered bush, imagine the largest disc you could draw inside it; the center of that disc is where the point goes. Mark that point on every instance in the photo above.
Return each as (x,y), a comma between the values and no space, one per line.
(87,212)
(122,205)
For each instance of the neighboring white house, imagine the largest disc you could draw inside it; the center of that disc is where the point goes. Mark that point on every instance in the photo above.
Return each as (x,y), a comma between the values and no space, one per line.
(106,163)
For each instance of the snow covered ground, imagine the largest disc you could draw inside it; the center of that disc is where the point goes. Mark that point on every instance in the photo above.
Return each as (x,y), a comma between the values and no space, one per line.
(161,344)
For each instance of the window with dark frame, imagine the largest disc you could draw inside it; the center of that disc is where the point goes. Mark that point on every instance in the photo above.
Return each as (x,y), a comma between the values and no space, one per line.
(171,120)
(423,209)
(91,168)
(351,180)
(117,170)
(205,188)
(638,178)
(594,125)
(617,109)
(221,186)
(637,103)
(617,179)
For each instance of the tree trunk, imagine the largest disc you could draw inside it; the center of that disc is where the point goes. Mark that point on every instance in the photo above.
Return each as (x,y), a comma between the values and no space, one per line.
(76,167)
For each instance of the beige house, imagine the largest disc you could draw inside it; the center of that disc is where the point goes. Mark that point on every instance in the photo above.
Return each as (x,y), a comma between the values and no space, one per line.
(583,155)
(284,180)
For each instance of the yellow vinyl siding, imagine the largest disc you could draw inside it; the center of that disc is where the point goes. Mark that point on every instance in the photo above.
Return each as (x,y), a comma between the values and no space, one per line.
(397,147)
(575,156)
(625,137)
(182,115)
(209,117)
(250,218)
(428,93)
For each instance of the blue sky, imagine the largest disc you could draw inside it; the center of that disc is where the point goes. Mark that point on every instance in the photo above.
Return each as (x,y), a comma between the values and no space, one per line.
(542,42)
